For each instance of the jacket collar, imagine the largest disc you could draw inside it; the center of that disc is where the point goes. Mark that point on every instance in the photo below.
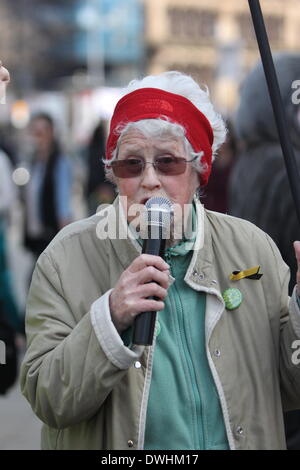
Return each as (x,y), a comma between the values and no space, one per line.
(125,245)
(201,269)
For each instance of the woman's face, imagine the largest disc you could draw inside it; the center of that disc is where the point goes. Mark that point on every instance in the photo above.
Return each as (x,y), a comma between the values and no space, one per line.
(179,189)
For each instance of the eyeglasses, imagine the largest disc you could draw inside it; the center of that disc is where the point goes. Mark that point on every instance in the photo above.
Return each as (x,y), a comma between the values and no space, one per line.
(165,165)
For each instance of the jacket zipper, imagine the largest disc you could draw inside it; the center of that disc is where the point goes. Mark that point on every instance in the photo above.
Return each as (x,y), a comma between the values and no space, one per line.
(187,356)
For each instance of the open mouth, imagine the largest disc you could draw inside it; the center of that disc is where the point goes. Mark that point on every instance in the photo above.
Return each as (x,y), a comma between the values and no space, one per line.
(143,201)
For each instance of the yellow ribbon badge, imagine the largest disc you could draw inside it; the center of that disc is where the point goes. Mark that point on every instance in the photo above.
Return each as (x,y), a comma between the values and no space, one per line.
(251,273)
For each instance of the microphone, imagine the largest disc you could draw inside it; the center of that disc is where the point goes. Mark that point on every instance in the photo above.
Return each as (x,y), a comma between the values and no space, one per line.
(158,214)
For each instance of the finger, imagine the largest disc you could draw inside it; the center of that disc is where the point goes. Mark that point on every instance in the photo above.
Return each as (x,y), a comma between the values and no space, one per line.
(297,253)
(145,260)
(4,74)
(297,250)
(150,274)
(151,290)
(149,305)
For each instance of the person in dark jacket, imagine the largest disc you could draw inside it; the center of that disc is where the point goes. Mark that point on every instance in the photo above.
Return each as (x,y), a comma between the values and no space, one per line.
(98,190)
(48,193)
(9,319)
(215,196)
(259,189)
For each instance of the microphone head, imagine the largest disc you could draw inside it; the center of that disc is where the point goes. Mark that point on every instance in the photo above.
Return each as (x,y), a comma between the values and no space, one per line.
(159,213)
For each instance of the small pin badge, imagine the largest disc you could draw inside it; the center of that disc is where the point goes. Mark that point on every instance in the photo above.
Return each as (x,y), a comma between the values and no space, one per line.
(232,298)
(157,328)
(252,273)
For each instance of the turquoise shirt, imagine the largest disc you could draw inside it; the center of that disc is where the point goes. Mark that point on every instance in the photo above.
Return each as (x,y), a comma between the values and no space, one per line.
(183,411)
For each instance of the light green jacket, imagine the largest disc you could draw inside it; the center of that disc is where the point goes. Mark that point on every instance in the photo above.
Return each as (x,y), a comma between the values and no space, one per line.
(91,391)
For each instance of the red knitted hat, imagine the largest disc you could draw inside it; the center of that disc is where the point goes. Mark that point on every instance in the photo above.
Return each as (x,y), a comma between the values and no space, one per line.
(153,103)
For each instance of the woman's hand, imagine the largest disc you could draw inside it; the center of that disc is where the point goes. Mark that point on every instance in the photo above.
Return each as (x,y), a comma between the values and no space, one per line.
(4,74)
(147,276)
(4,79)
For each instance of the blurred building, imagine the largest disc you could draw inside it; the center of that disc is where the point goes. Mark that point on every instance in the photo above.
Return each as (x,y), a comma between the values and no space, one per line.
(110,42)
(214,41)
(45,42)
(37,38)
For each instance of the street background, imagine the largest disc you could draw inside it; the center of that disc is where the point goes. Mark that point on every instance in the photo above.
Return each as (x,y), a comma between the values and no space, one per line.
(19,427)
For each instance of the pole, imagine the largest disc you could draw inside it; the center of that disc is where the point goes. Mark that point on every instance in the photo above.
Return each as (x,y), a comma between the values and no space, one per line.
(276,100)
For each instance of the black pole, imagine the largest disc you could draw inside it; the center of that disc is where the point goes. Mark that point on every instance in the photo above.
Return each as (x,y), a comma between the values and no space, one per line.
(276,100)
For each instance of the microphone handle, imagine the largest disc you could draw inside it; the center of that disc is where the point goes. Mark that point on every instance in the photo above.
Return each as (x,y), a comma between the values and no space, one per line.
(144,324)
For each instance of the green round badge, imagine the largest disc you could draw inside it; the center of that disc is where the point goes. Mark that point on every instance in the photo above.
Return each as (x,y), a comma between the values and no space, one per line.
(157,328)
(232,298)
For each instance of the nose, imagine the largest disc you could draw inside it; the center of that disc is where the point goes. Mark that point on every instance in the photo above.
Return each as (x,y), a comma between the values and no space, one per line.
(150,179)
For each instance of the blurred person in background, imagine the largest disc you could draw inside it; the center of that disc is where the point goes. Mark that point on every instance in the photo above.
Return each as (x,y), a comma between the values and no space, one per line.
(215,196)
(259,190)
(4,80)
(7,199)
(10,321)
(48,193)
(98,190)
(6,144)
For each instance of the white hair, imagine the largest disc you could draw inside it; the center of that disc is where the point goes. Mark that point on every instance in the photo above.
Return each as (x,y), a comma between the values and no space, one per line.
(180,84)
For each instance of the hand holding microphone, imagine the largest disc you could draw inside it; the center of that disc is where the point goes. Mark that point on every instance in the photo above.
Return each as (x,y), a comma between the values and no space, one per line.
(142,287)
(147,276)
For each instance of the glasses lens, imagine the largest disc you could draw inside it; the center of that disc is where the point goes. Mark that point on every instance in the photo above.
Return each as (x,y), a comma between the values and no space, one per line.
(170,165)
(127,168)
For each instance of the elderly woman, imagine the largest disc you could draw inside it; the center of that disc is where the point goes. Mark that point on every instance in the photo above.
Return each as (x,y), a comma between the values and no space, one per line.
(224,363)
